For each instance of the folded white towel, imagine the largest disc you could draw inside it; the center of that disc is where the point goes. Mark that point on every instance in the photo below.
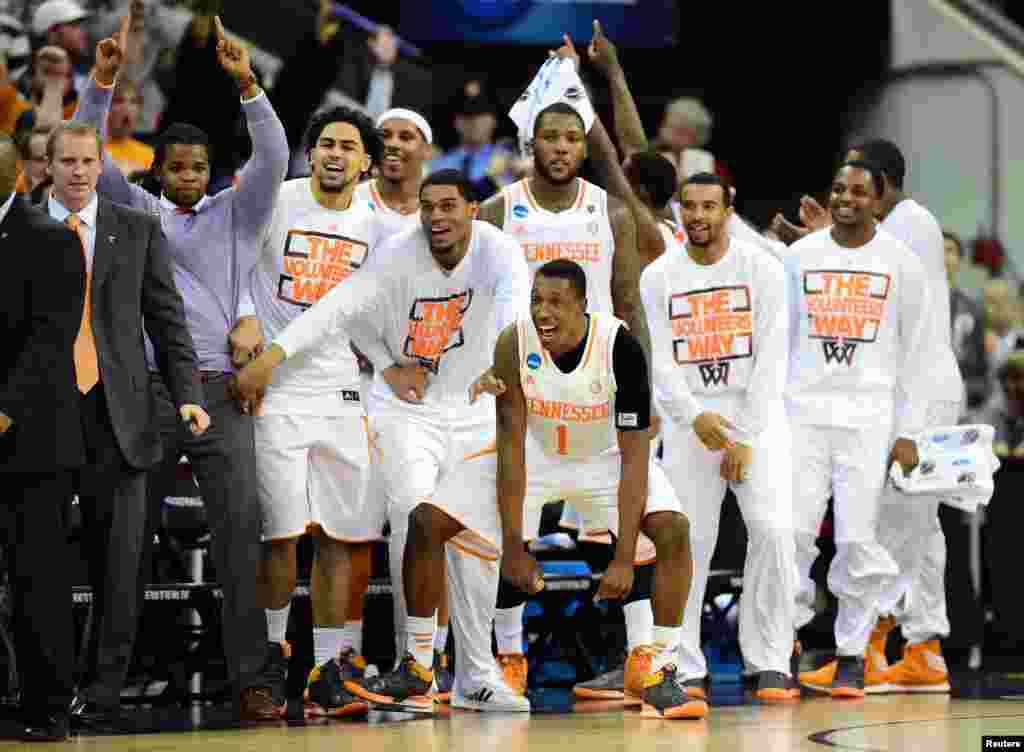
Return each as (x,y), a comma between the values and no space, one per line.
(556,81)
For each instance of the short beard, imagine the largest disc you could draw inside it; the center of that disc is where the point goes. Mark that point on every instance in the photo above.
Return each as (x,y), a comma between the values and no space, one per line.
(542,170)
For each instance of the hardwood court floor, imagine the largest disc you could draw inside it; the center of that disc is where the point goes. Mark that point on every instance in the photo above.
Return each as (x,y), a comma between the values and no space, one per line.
(876,724)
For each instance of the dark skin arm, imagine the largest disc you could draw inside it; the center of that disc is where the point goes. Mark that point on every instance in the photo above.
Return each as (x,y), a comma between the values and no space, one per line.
(517,566)
(629,129)
(626,268)
(493,210)
(635,449)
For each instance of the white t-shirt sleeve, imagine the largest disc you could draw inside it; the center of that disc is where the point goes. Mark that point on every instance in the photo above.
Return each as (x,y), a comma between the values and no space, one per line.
(672,394)
(914,315)
(512,290)
(352,304)
(771,335)
(740,230)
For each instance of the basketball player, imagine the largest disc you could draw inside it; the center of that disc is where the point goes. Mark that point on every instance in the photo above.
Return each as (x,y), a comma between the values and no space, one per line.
(426,310)
(718,320)
(406,139)
(573,421)
(910,530)
(557,214)
(311,441)
(859,313)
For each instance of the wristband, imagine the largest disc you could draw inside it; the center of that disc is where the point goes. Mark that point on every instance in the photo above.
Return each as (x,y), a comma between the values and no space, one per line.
(246,82)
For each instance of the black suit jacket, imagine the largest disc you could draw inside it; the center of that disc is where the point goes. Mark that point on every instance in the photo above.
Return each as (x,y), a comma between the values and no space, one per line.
(413,83)
(132,285)
(968,322)
(42,289)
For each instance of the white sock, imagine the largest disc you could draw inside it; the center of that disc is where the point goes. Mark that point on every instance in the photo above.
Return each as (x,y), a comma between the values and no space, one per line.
(508,629)
(352,637)
(441,638)
(277,622)
(419,638)
(666,645)
(639,624)
(326,643)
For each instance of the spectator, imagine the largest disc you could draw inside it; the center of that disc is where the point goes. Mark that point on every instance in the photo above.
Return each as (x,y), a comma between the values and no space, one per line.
(14,44)
(129,154)
(53,94)
(12,104)
(968,333)
(60,23)
(32,149)
(1005,412)
(489,166)
(1002,325)
(686,131)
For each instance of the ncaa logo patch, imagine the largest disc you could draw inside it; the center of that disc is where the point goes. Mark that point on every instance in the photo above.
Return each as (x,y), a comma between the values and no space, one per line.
(573,93)
(533,361)
(519,211)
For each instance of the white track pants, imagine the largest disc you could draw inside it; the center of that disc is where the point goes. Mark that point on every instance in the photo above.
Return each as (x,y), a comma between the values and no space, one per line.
(909,530)
(769,575)
(849,465)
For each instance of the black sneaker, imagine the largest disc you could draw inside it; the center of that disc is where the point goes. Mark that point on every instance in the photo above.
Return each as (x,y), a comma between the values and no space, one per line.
(775,686)
(849,680)
(408,685)
(610,685)
(326,694)
(275,673)
(697,688)
(351,665)
(666,697)
(443,677)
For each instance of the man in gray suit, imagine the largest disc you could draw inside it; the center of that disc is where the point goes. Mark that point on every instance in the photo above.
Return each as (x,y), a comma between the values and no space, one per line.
(129,285)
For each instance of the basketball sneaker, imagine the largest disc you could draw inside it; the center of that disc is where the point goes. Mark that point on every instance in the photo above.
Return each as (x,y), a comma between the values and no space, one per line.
(351,665)
(610,685)
(697,688)
(515,670)
(326,695)
(665,697)
(496,697)
(443,677)
(407,686)
(638,668)
(875,662)
(775,686)
(922,669)
(848,683)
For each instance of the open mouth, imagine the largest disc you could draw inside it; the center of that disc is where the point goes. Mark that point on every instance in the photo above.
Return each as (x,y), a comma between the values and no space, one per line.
(845,212)
(546,333)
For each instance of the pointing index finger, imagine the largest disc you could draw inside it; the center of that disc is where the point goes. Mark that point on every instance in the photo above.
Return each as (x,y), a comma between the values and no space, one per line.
(219,28)
(597,29)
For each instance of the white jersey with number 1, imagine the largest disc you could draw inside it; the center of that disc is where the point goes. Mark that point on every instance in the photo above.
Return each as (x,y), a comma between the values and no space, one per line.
(582,233)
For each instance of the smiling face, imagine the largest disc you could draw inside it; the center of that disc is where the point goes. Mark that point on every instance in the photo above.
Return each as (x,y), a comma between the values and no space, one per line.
(124,111)
(447,220)
(338,158)
(405,150)
(559,313)
(854,199)
(704,213)
(559,147)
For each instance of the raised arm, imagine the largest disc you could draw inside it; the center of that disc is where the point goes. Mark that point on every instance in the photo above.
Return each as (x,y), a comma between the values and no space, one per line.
(626,268)
(261,177)
(94,106)
(629,129)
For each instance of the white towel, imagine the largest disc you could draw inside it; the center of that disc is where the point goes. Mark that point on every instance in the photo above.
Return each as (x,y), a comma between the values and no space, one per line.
(556,81)
(956,463)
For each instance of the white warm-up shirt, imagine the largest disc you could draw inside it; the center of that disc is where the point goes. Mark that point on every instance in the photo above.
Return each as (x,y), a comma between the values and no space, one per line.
(405,309)
(859,331)
(719,335)
(582,233)
(921,232)
(389,220)
(307,251)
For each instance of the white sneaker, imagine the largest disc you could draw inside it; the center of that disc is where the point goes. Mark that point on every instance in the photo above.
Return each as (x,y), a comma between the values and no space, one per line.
(494,697)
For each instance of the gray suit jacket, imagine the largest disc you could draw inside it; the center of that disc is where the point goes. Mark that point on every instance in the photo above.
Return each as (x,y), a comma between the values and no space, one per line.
(132,286)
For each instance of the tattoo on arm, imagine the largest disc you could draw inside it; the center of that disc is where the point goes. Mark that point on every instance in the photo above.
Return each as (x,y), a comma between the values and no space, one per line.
(493,210)
(626,267)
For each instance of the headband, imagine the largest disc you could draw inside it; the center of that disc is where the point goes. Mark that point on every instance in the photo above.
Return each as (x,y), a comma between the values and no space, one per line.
(414,117)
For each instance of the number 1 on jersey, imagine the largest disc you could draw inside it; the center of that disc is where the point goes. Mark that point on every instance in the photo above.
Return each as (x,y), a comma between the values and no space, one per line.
(563,438)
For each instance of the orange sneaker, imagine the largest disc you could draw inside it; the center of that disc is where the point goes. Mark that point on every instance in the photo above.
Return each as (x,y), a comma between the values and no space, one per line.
(875,663)
(638,668)
(922,669)
(516,671)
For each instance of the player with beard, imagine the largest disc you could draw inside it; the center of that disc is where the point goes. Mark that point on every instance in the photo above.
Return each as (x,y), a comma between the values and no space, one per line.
(557,214)
(311,439)
(859,321)
(427,308)
(406,139)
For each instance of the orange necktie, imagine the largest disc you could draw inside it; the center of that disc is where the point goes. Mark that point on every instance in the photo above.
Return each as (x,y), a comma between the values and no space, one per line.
(87,370)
